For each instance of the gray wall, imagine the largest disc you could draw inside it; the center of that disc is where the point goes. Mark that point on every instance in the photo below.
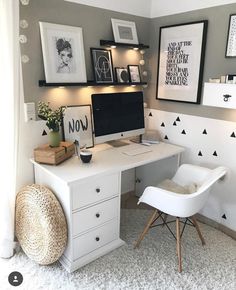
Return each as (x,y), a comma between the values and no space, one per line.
(215,62)
(96,24)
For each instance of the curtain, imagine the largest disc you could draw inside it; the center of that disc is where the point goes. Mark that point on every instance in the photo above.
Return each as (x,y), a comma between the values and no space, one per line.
(9,120)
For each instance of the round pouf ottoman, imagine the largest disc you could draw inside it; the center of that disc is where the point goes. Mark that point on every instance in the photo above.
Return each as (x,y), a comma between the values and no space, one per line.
(41,226)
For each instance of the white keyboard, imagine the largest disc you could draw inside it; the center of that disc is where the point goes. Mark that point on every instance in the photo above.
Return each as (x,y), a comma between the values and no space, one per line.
(136,151)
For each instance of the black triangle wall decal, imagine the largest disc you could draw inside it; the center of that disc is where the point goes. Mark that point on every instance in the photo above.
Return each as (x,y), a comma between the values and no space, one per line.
(44,133)
(233,135)
(224,216)
(199,153)
(150,114)
(183,132)
(162,124)
(166,137)
(174,124)
(178,119)
(215,154)
(204,132)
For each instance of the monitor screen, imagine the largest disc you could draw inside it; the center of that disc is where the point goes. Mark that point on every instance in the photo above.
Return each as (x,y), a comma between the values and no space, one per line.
(117,115)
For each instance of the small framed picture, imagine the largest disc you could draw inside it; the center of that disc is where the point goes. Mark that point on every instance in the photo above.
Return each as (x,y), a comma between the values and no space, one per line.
(134,73)
(122,75)
(124,31)
(231,39)
(63,53)
(102,65)
(77,125)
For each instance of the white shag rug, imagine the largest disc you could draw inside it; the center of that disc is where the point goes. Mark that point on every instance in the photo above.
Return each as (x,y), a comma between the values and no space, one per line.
(152,266)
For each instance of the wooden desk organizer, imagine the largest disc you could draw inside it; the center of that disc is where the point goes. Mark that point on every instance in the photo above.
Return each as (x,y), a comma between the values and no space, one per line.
(54,155)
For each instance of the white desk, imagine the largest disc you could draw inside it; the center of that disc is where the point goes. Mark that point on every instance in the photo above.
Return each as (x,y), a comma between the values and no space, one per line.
(90,197)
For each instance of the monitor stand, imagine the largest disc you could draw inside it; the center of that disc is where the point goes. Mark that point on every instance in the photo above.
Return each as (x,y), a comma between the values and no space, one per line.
(117,143)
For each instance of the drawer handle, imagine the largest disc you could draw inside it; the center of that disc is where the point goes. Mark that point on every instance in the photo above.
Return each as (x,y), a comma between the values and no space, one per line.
(226,97)
(97,215)
(98,190)
(97,239)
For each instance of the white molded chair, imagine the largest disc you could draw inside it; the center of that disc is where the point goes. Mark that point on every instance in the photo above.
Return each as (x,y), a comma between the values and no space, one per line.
(181,205)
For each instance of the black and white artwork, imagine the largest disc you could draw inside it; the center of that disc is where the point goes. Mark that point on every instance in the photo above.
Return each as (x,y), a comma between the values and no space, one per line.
(102,65)
(231,39)
(134,73)
(181,60)
(63,53)
(124,31)
(122,75)
(77,125)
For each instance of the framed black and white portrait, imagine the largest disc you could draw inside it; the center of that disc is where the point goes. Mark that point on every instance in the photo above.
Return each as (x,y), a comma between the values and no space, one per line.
(77,125)
(134,73)
(231,38)
(181,62)
(124,31)
(102,65)
(63,53)
(122,75)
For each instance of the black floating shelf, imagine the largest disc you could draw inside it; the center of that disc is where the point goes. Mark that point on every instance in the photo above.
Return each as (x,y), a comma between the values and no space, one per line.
(43,83)
(110,43)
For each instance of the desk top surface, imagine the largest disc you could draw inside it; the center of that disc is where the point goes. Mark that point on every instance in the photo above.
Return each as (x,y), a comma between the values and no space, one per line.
(108,160)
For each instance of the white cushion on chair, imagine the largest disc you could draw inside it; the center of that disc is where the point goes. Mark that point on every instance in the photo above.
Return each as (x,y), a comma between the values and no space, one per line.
(170,185)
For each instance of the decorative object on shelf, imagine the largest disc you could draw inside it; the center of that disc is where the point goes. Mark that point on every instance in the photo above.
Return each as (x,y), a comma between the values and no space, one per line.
(54,155)
(63,53)
(53,121)
(214,80)
(124,31)
(25,58)
(134,73)
(77,125)
(25,2)
(231,39)
(223,79)
(41,227)
(122,75)
(180,62)
(22,39)
(24,24)
(102,65)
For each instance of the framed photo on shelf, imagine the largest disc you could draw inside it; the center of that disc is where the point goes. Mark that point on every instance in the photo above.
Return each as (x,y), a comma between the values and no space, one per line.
(77,125)
(102,65)
(231,38)
(134,74)
(124,31)
(63,53)
(122,75)
(181,61)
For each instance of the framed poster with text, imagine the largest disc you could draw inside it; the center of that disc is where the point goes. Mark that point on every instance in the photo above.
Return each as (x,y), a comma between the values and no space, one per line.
(180,62)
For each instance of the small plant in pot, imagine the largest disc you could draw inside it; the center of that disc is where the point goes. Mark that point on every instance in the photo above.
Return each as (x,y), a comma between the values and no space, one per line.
(53,120)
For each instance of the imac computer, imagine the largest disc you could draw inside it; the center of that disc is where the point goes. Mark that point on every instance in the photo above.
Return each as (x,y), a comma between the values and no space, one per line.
(117,115)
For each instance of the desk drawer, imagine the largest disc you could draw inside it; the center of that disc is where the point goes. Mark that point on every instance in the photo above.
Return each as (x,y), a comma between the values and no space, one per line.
(95,215)
(95,239)
(94,190)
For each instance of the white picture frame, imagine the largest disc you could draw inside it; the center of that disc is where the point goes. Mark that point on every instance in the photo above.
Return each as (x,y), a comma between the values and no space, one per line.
(63,53)
(77,125)
(124,31)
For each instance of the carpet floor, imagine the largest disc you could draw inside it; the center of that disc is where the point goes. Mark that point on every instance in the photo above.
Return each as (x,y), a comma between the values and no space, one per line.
(152,266)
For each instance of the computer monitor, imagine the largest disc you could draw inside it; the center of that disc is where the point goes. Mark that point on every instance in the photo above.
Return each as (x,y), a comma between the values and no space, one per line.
(117,115)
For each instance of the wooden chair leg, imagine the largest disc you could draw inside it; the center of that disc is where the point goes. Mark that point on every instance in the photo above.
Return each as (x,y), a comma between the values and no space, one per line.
(164,219)
(153,216)
(198,230)
(178,244)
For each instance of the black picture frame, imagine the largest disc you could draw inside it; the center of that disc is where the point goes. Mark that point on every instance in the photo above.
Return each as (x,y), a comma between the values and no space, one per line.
(102,65)
(122,75)
(77,125)
(134,73)
(181,62)
(230,50)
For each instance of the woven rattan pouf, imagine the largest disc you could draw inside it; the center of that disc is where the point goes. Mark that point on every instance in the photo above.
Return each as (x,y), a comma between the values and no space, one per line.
(41,226)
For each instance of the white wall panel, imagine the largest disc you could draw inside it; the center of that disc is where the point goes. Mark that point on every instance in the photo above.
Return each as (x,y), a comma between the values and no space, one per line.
(216,147)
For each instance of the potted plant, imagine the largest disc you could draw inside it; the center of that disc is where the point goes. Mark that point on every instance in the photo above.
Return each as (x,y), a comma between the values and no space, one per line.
(53,120)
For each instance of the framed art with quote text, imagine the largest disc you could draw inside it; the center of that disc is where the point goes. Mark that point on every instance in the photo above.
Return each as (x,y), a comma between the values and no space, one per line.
(181,62)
